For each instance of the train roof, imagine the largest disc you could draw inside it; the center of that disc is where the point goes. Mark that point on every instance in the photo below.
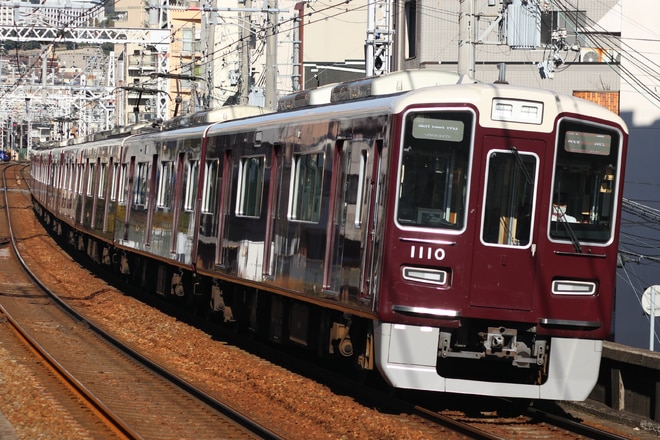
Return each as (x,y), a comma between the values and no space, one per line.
(499,105)
(228,113)
(390,84)
(502,104)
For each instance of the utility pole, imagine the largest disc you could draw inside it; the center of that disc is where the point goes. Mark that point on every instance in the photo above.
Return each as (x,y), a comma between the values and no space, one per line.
(28,144)
(271,56)
(378,46)
(246,66)
(465,38)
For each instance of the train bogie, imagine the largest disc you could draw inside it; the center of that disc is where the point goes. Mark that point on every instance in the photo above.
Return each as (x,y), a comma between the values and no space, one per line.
(458,238)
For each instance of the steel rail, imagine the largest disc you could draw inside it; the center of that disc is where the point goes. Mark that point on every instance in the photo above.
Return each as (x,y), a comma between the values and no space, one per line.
(235,415)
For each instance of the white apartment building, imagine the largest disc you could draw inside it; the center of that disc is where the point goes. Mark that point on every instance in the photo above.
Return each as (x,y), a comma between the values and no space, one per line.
(51,13)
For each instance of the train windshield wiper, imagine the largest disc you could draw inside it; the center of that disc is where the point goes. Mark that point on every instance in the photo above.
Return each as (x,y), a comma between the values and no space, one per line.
(561,218)
(522,166)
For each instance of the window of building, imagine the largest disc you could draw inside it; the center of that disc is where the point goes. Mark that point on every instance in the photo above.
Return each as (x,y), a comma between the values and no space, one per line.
(568,23)
(410,10)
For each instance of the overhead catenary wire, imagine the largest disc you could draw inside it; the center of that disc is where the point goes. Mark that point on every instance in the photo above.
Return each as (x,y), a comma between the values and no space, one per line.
(636,59)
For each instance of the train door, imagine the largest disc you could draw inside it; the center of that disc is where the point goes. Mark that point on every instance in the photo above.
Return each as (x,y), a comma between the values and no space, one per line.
(107,191)
(128,199)
(151,200)
(87,177)
(271,214)
(345,239)
(334,240)
(96,183)
(504,269)
(180,181)
(224,209)
(371,248)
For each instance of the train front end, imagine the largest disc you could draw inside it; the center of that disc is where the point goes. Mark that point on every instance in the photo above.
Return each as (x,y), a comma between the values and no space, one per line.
(501,233)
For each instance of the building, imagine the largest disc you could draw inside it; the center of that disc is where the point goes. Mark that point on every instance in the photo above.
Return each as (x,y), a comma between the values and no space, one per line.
(52,13)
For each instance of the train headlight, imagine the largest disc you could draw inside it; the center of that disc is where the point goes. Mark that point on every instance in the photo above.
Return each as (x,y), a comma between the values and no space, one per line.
(570,287)
(423,275)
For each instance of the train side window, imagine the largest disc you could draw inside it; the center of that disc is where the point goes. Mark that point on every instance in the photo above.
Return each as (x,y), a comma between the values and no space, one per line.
(166,181)
(114,182)
(250,186)
(211,186)
(55,175)
(63,176)
(509,197)
(360,189)
(306,187)
(141,185)
(192,173)
(90,180)
(71,178)
(123,184)
(102,179)
(79,178)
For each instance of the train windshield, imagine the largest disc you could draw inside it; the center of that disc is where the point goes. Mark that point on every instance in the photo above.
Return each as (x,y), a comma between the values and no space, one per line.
(433,172)
(509,196)
(585,181)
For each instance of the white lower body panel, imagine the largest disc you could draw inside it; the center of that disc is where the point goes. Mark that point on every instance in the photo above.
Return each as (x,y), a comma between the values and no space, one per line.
(407,355)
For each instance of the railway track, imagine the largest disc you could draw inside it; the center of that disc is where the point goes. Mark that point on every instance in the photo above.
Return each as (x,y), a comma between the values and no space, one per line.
(427,421)
(477,417)
(116,393)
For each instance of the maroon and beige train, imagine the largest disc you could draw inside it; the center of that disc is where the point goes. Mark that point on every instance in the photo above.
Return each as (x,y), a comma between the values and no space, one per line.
(457,236)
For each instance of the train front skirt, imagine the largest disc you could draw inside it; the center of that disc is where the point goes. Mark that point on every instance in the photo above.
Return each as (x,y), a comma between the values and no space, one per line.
(407,356)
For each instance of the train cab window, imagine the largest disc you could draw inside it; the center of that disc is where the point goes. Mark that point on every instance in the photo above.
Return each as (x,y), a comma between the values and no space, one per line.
(585,181)
(509,197)
(433,170)
(250,186)
(306,187)
(166,182)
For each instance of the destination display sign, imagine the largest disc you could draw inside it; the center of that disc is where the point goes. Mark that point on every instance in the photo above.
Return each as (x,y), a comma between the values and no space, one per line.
(438,129)
(588,143)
